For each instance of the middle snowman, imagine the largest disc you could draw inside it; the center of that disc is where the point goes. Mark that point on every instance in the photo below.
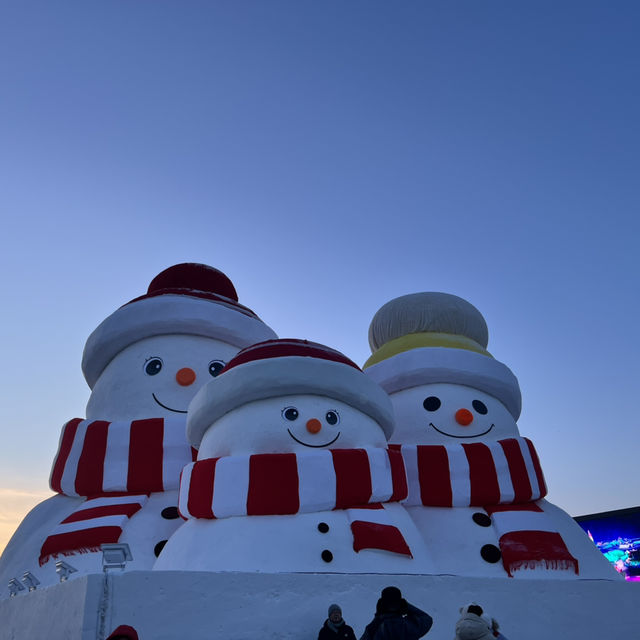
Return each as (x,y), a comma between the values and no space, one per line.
(293,473)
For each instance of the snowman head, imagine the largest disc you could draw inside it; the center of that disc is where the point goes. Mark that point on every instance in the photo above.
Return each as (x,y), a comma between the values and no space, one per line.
(429,354)
(157,376)
(150,357)
(284,396)
(444,413)
(289,424)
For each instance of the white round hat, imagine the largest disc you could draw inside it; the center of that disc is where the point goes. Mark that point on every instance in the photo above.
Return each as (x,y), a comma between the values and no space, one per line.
(431,337)
(286,367)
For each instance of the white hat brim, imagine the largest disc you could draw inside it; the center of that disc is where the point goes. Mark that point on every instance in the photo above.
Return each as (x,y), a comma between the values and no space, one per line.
(288,375)
(430,365)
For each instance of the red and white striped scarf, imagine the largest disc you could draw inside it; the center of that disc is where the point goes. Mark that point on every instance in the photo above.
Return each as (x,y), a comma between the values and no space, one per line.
(115,465)
(505,478)
(356,480)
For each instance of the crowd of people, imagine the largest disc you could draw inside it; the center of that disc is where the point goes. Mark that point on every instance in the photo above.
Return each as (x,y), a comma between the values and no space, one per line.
(396,619)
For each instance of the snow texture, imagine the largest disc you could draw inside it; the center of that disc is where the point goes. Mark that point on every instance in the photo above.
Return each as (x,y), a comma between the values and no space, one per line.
(238,606)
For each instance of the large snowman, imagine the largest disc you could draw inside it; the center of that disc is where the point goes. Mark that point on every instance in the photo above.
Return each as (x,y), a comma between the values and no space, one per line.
(116,472)
(476,487)
(293,473)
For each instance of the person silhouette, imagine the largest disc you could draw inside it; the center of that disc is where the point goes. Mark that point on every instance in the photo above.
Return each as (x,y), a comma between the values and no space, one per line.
(396,619)
(334,626)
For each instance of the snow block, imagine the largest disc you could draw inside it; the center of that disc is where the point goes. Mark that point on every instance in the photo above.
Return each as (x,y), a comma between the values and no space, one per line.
(241,606)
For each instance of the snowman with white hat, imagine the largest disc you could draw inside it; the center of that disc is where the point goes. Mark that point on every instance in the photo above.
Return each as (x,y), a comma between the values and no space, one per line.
(476,488)
(116,473)
(293,473)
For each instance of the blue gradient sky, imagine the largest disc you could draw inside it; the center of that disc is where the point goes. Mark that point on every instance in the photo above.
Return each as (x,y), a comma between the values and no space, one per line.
(329,156)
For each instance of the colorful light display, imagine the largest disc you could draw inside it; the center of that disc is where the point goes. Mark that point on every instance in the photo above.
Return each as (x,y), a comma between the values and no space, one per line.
(617,535)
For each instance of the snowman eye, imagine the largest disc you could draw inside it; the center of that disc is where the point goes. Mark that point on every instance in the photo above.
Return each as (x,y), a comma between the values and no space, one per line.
(152,366)
(332,418)
(290,413)
(431,403)
(480,407)
(215,367)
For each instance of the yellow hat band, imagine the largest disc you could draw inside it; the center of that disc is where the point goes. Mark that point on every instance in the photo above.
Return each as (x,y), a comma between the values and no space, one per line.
(418,340)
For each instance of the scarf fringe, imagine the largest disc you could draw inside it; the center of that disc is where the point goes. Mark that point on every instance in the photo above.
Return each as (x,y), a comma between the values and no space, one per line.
(67,554)
(556,564)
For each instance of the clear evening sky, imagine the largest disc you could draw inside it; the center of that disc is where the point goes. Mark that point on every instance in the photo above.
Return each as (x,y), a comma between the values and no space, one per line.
(329,156)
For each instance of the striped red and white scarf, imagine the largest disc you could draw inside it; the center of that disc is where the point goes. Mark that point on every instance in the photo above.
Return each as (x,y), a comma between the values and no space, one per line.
(115,466)
(505,478)
(356,480)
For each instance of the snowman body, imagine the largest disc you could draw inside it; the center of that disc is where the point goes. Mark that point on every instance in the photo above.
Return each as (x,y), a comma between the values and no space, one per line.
(140,382)
(319,542)
(309,426)
(476,487)
(462,539)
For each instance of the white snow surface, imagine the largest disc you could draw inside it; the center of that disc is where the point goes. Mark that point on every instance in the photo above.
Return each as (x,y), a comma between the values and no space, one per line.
(240,606)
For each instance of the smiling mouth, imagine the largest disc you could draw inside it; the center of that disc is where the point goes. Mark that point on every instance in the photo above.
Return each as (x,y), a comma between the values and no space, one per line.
(315,446)
(164,406)
(476,435)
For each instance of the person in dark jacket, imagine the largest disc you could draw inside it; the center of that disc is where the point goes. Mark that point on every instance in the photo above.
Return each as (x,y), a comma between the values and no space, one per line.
(396,619)
(334,626)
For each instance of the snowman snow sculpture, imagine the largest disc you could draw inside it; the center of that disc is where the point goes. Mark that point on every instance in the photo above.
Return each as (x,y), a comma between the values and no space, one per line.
(476,487)
(293,473)
(117,472)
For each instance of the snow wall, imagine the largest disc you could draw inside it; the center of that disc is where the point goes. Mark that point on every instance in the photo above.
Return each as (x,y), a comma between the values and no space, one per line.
(242,606)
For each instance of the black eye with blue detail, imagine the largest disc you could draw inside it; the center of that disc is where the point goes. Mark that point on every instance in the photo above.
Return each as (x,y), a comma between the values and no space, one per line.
(332,418)
(290,413)
(153,366)
(215,367)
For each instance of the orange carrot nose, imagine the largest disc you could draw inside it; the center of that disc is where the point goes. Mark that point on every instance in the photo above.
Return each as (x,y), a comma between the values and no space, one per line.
(464,417)
(185,376)
(314,425)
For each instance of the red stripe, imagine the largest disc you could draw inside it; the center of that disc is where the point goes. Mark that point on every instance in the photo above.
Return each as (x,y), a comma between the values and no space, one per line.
(353,477)
(372,535)
(483,477)
(433,474)
(273,484)
(517,469)
(145,456)
(525,506)
(78,541)
(286,347)
(68,434)
(200,495)
(127,509)
(536,465)
(197,294)
(532,549)
(398,475)
(91,463)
